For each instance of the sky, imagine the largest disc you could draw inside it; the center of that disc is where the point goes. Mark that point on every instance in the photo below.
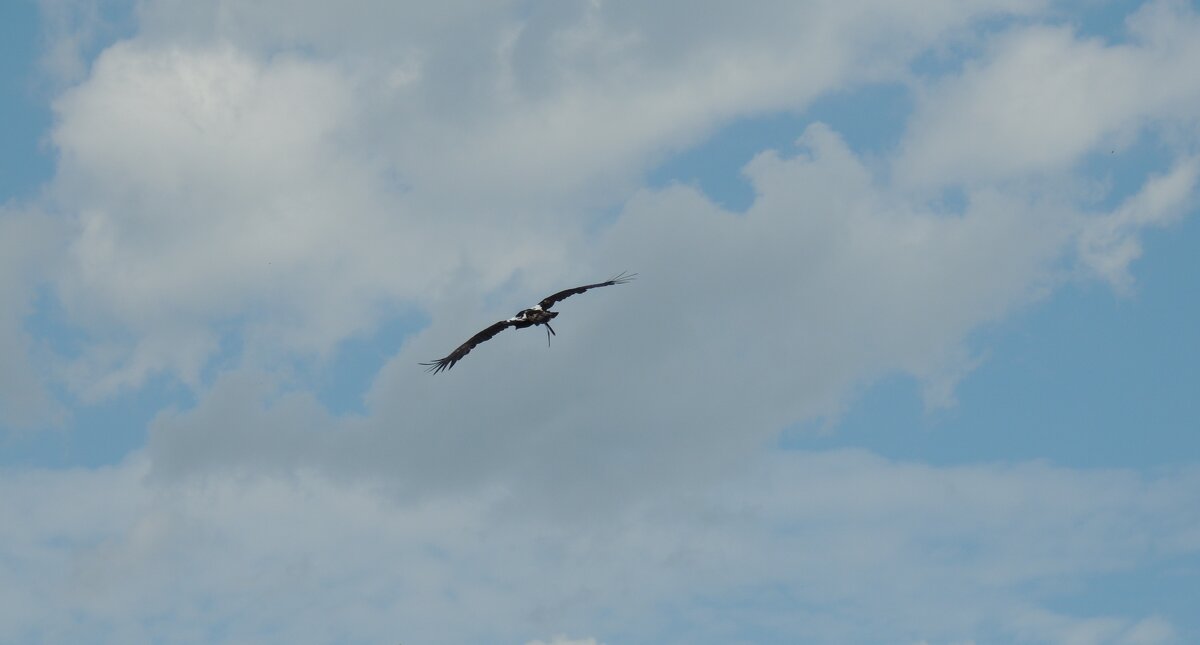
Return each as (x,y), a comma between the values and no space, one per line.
(911,356)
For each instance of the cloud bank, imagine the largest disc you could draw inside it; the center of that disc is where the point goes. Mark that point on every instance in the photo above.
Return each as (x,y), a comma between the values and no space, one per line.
(242,188)
(839,546)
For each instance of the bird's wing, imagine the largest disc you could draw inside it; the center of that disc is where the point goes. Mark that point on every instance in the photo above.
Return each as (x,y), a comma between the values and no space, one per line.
(456,355)
(549,301)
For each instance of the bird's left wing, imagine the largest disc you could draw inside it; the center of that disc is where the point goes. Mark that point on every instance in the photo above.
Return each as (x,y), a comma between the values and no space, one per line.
(549,301)
(456,355)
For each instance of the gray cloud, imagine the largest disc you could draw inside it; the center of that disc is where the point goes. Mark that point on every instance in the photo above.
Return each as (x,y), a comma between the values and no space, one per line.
(290,181)
(285,177)
(288,177)
(840,546)
(739,326)
(28,250)
(1042,97)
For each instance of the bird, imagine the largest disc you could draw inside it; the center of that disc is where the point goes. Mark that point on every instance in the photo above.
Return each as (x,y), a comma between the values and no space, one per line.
(538,314)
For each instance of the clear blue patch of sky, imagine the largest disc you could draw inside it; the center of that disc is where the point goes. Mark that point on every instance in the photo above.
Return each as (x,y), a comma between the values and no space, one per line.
(104,433)
(1123,171)
(97,434)
(951,202)
(1106,20)
(50,325)
(230,344)
(24,115)
(26,160)
(94,434)
(870,118)
(111,21)
(1085,379)
(936,63)
(714,166)
(1165,588)
(1103,20)
(949,57)
(342,382)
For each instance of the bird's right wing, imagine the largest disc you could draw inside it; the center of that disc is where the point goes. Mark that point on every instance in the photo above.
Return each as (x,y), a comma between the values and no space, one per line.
(456,355)
(549,301)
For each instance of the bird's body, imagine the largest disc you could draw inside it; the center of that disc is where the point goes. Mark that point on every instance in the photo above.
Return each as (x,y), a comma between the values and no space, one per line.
(532,317)
(538,314)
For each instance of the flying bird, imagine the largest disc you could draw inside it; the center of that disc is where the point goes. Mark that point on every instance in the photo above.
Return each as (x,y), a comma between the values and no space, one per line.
(538,314)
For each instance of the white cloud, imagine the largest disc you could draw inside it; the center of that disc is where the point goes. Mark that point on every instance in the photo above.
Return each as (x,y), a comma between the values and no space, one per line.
(290,182)
(214,191)
(756,321)
(831,547)
(1043,97)
(1109,244)
(284,174)
(290,177)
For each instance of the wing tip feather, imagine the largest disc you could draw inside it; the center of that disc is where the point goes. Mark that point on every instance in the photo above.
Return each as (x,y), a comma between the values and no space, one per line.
(623,277)
(433,367)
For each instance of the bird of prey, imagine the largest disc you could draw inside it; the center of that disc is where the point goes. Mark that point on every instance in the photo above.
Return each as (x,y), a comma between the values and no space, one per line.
(538,314)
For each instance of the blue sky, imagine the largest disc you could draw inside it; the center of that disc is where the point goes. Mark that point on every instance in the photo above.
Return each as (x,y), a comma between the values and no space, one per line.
(911,357)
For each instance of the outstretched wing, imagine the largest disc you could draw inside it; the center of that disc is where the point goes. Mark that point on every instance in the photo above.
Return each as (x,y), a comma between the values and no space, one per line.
(549,301)
(464,349)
